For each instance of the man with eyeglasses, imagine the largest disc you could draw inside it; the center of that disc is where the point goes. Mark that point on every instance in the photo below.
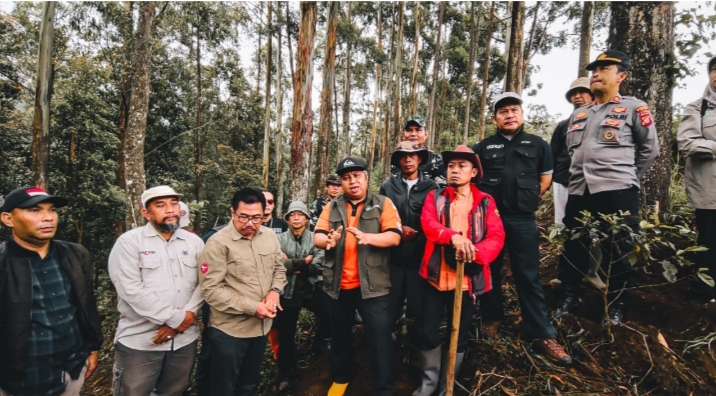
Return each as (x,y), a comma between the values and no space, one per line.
(242,277)
(415,132)
(278,225)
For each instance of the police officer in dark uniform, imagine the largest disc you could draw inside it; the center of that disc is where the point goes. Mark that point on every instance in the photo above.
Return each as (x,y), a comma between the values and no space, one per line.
(518,170)
(612,142)
(415,132)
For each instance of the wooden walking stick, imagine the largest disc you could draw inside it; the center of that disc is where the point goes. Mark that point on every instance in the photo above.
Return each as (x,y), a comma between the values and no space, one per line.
(456,311)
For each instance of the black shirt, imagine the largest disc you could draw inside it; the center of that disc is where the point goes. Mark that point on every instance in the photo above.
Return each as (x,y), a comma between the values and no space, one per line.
(560,153)
(279,226)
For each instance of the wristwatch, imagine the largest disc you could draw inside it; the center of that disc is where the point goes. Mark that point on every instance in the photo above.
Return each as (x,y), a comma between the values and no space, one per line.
(277,290)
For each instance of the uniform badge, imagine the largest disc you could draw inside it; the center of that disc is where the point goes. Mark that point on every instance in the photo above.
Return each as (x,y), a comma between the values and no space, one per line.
(609,134)
(204,268)
(576,126)
(612,123)
(580,115)
(619,110)
(646,120)
(642,108)
(617,99)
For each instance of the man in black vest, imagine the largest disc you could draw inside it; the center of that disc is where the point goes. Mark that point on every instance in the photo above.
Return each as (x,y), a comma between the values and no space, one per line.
(517,189)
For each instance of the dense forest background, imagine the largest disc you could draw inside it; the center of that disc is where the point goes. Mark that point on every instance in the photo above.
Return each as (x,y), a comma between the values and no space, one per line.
(99,100)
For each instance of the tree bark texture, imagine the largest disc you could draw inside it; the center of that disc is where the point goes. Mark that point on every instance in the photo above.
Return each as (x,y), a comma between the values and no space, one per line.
(485,74)
(302,122)
(138,109)
(267,104)
(514,61)
(329,77)
(346,139)
(43,92)
(416,58)
(436,69)
(385,145)
(197,166)
(644,31)
(470,71)
(278,138)
(398,113)
(376,98)
(585,38)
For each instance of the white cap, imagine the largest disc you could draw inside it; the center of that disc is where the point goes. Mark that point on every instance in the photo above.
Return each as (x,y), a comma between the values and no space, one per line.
(513,97)
(184,220)
(158,192)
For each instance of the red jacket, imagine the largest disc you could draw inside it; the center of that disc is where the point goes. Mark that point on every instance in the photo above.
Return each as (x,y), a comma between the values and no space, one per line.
(485,230)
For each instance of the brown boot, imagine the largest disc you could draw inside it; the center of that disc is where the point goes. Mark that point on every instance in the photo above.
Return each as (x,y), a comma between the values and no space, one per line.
(490,329)
(552,351)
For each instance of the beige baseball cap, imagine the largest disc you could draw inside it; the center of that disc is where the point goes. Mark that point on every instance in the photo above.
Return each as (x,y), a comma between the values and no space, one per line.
(580,83)
(158,192)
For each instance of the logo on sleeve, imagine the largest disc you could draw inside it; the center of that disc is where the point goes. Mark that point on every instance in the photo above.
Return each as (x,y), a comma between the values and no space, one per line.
(204,268)
(620,109)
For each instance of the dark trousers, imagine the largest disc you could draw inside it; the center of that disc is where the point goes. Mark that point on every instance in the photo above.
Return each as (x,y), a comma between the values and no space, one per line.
(378,327)
(317,305)
(235,363)
(405,285)
(522,242)
(706,226)
(201,376)
(434,306)
(574,261)
(285,322)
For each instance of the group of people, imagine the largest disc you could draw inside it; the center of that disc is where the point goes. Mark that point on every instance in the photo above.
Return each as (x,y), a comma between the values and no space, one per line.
(356,253)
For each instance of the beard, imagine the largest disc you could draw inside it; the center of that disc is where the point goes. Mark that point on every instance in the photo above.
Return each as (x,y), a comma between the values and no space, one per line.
(166,227)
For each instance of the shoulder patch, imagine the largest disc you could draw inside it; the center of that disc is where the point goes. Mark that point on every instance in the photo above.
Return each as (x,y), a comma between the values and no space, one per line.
(620,109)
(581,115)
(646,119)
(642,108)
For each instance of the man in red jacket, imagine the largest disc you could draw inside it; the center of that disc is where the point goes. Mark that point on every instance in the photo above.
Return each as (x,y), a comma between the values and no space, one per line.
(460,223)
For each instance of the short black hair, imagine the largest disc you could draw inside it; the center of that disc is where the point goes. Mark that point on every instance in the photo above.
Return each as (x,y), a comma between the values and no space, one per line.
(248,195)
(621,68)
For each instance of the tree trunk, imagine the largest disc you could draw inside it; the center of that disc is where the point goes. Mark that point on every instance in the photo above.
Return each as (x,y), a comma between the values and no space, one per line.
(43,92)
(644,31)
(138,109)
(436,68)
(585,39)
(258,59)
(508,33)
(346,140)
(197,167)
(278,138)
(514,62)
(302,122)
(416,58)
(376,98)
(485,74)
(527,52)
(290,46)
(267,105)
(398,74)
(470,71)
(385,145)
(326,121)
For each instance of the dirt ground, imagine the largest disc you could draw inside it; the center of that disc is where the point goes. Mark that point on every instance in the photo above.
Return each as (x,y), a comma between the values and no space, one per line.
(645,357)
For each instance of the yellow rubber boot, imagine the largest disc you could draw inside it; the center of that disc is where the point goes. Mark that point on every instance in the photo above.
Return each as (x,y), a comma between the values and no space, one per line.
(273,341)
(337,389)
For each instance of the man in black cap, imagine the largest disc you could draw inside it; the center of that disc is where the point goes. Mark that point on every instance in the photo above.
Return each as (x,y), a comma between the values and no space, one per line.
(333,190)
(408,191)
(518,170)
(50,331)
(612,142)
(357,231)
(414,131)
(697,142)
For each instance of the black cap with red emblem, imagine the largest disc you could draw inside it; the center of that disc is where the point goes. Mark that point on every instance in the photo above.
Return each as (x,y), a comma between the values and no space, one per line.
(27,197)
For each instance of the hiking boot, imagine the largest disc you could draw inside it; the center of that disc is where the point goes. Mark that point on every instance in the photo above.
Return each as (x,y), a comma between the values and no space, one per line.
(569,304)
(490,329)
(550,349)
(556,282)
(616,314)
(593,279)
(430,367)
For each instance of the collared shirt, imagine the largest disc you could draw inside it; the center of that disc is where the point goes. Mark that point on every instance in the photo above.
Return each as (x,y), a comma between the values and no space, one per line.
(55,342)
(157,282)
(612,145)
(459,214)
(236,274)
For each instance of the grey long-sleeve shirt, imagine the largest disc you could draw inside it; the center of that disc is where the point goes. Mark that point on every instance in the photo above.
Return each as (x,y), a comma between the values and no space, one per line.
(612,145)
(157,282)
(697,142)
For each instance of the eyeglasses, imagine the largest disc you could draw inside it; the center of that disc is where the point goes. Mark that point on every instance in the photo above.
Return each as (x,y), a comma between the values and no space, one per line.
(269,202)
(254,219)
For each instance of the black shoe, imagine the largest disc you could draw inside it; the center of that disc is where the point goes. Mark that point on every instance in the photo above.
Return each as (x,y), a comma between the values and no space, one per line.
(569,304)
(616,314)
